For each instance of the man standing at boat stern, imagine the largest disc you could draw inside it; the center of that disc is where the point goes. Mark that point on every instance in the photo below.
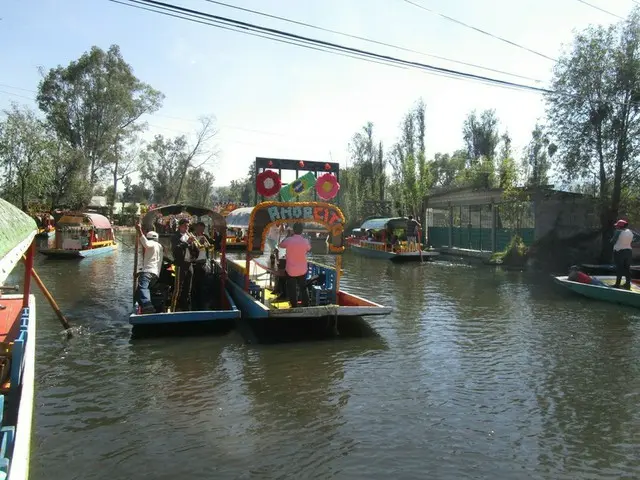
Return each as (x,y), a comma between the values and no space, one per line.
(412,233)
(150,269)
(296,266)
(622,253)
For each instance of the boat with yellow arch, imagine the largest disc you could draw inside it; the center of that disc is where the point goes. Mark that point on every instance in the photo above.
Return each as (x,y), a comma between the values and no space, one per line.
(256,283)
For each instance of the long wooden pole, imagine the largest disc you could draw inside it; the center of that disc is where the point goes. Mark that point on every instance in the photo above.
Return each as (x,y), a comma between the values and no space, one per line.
(420,245)
(49,298)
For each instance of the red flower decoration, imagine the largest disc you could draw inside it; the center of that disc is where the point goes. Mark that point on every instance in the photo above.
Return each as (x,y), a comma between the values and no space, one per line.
(327,186)
(327,166)
(268,183)
(270,163)
(301,164)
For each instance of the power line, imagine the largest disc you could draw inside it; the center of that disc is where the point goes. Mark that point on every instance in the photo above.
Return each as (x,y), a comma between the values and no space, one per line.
(484,32)
(221,125)
(369,40)
(244,27)
(602,9)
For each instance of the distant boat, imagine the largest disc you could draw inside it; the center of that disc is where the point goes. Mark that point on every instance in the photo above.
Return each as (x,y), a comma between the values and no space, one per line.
(237,228)
(80,235)
(608,294)
(381,246)
(254,284)
(17,347)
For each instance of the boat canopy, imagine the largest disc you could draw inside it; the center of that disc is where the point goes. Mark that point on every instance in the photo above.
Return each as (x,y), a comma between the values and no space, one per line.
(94,220)
(384,223)
(148,220)
(268,214)
(239,218)
(17,231)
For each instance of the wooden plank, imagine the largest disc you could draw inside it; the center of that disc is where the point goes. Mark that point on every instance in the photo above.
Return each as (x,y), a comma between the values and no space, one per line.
(10,317)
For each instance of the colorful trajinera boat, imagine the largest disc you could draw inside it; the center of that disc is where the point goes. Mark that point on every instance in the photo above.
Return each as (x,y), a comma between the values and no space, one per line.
(386,238)
(215,303)
(256,283)
(80,235)
(607,294)
(17,344)
(237,228)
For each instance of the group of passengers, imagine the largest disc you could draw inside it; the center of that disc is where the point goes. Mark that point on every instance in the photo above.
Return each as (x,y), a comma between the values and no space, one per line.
(192,250)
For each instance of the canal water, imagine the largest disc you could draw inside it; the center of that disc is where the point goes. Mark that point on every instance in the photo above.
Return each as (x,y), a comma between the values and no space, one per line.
(478,373)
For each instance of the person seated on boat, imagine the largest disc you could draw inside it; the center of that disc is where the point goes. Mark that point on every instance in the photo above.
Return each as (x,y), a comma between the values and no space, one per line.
(149,272)
(413,226)
(575,275)
(296,265)
(217,240)
(622,253)
(370,235)
(181,248)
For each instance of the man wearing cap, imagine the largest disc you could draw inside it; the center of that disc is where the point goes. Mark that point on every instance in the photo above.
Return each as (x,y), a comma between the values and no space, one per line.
(150,270)
(622,253)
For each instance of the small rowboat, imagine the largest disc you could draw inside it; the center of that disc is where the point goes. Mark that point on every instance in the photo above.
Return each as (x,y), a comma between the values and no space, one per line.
(607,294)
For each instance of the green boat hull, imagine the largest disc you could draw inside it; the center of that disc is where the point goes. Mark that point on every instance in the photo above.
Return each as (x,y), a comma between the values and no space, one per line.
(630,298)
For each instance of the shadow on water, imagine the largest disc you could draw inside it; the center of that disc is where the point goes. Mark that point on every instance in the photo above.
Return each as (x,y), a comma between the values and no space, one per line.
(218,328)
(304,329)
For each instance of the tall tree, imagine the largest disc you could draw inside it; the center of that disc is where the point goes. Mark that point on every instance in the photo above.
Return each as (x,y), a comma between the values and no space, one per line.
(94,104)
(507,169)
(537,157)
(24,156)
(199,187)
(480,133)
(595,116)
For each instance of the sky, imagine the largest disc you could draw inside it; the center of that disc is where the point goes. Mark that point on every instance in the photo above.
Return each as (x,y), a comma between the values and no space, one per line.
(278,100)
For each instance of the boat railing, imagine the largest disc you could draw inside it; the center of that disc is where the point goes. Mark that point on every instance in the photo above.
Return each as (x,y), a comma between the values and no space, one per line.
(102,243)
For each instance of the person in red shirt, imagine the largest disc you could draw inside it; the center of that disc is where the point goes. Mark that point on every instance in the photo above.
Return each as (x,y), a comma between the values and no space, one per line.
(575,275)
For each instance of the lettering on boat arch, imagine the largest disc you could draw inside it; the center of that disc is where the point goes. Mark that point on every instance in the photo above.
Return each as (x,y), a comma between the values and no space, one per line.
(267,214)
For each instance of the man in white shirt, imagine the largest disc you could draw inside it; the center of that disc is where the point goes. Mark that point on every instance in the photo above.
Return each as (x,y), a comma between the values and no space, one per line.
(622,253)
(149,271)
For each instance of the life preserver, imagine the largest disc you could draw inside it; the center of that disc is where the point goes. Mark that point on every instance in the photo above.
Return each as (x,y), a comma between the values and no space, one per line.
(327,186)
(268,183)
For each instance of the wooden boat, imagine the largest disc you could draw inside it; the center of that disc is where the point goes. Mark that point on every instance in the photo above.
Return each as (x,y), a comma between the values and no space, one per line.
(17,344)
(607,269)
(237,228)
(253,281)
(80,235)
(607,294)
(164,295)
(382,246)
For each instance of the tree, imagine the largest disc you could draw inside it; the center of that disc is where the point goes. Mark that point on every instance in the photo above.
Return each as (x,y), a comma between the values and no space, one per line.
(481,135)
(161,165)
(537,157)
(595,116)
(94,104)
(507,169)
(24,156)
(199,191)
(199,153)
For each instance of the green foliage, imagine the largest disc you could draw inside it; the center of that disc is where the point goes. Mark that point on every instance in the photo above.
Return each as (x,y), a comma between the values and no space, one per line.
(596,120)
(199,187)
(480,133)
(24,157)
(515,254)
(536,162)
(95,103)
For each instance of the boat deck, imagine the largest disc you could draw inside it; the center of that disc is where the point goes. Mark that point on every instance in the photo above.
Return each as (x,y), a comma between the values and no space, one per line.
(262,277)
(9,326)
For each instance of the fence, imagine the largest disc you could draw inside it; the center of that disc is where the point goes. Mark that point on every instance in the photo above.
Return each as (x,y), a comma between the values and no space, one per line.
(473,226)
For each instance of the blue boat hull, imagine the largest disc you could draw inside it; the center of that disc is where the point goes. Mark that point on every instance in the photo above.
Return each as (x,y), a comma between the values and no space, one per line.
(78,254)
(200,316)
